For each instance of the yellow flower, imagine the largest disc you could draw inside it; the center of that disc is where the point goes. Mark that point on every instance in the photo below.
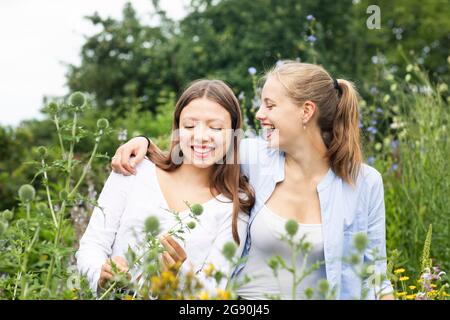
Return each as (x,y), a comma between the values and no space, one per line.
(156,283)
(433,285)
(412,287)
(400,270)
(410,296)
(401,294)
(168,276)
(209,269)
(223,294)
(404,278)
(203,295)
(128,297)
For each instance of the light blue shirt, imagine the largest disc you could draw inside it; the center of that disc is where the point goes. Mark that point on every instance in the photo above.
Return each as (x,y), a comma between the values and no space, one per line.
(345,210)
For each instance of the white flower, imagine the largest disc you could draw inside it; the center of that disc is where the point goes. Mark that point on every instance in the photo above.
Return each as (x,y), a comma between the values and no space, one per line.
(252,70)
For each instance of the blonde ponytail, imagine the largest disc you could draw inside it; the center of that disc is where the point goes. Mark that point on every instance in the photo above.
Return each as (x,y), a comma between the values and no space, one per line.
(344,150)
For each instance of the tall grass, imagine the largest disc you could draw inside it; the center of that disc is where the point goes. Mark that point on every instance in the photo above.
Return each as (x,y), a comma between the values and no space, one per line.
(417,191)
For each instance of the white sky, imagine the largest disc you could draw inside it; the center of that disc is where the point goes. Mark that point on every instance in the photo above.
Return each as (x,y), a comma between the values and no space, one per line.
(39,36)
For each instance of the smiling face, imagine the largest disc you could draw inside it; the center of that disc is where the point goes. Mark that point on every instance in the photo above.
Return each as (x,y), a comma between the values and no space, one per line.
(205,132)
(280,118)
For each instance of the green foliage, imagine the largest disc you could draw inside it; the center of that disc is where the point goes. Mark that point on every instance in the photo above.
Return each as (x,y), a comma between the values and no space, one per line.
(425,261)
(37,246)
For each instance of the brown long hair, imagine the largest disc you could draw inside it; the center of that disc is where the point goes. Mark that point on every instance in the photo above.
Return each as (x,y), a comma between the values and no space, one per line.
(338,112)
(226,177)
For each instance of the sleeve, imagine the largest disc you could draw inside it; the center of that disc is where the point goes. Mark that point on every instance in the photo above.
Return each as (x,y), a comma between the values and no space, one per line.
(96,243)
(256,158)
(216,257)
(377,284)
(244,152)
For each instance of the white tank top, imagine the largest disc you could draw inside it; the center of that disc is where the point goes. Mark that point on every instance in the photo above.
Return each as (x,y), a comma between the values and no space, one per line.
(266,231)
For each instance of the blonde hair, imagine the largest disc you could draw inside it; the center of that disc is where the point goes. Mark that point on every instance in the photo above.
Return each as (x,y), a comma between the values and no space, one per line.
(337,108)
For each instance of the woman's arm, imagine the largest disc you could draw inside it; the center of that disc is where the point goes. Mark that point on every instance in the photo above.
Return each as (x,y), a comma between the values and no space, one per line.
(131,153)
(96,243)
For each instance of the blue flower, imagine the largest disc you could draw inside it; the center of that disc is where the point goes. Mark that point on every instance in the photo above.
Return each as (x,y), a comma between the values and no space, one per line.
(252,70)
(379,110)
(371,160)
(394,167)
(309,17)
(373,122)
(394,144)
(372,130)
(373,90)
(311,38)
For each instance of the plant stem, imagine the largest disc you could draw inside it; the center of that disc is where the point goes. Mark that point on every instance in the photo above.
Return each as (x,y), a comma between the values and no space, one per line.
(47,189)
(23,265)
(63,152)
(72,144)
(294,274)
(28,210)
(85,170)
(58,235)
(108,291)
(19,276)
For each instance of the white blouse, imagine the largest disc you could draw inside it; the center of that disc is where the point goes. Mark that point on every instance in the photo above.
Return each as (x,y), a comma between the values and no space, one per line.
(126,202)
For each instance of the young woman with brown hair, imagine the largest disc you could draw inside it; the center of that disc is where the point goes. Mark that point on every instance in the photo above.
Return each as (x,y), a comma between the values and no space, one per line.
(200,167)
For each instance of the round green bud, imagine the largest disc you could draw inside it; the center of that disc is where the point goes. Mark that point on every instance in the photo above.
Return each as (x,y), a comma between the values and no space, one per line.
(323,286)
(26,193)
(42,152)
(3,227)
(153,254)
(52,107)
(309,292)
(291,227)
(229,249)
(152,269)
(63,195)
(21,224)
(273,263)
(197,209)
(41,207)
(152,225)
(191,224)
(44,294)
(354,259)
(360,241)
(102,123)
(7,215)
(77,99)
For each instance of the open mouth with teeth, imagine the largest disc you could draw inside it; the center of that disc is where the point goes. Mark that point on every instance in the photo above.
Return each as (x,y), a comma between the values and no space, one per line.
(268,129)
(202,152)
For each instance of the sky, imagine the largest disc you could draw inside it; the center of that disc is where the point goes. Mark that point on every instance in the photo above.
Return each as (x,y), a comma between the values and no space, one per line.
(39,38)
